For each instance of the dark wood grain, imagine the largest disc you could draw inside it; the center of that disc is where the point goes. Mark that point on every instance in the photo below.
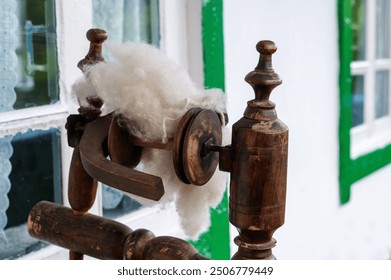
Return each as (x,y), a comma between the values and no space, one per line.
(102,238)
(259,165)
(111,173)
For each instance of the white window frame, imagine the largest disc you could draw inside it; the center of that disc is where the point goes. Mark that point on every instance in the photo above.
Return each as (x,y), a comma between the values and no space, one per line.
(373,133)
(180,31)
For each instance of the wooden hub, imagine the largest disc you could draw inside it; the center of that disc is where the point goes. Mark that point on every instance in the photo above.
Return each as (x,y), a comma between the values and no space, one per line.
(121,149)
(193,163)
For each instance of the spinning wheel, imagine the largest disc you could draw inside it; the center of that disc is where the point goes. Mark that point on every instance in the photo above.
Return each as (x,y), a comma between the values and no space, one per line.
(256,160)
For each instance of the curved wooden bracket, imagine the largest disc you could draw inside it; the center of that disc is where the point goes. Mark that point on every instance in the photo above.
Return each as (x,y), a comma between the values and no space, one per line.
(111,173)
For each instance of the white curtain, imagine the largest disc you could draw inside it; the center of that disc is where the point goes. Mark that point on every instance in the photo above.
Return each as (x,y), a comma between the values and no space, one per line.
(128,20)
(8,80)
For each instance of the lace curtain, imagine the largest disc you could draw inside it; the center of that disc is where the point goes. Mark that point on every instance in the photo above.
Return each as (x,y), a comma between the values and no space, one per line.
(128,20)
(8,80)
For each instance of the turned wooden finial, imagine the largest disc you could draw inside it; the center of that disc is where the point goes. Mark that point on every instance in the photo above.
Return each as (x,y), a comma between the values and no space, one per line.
(259,165)
(96,37)
(263,79)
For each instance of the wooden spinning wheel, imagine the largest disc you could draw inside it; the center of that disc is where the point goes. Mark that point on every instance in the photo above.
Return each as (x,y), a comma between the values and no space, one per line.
(256,160)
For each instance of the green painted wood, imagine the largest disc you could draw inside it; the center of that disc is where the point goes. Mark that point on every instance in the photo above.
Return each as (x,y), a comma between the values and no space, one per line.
(215,243)
(345,119)
(350,171)
(213,43)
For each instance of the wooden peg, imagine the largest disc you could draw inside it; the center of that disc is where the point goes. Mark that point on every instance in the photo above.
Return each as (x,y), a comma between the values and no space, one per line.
(96,37)
(81,186)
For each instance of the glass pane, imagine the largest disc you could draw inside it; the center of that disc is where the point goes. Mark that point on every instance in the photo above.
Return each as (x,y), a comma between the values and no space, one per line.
(141,21)
(383,29)
(358,29)
(115,203)
(128,20)
(36,69)
(357,100)
(35,175)
(382,93)
(125,20)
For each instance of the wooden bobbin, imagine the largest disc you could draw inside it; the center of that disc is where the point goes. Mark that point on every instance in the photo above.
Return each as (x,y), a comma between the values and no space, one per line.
(121,148)
(193,162)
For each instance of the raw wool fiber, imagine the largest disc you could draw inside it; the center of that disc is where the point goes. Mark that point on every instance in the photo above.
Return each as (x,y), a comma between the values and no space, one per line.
(149,89)
(153,93)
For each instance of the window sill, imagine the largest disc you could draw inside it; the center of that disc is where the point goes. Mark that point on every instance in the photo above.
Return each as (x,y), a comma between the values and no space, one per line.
(365,139)
(41,117)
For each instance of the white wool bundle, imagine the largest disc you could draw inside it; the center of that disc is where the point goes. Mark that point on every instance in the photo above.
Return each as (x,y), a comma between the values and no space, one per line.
(153,93)
(149,89)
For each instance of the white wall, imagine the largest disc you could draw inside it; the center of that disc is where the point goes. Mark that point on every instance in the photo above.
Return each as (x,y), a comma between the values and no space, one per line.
(306,33)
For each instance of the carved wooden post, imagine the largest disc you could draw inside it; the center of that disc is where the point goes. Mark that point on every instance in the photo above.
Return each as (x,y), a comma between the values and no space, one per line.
(81,186)
(259,156)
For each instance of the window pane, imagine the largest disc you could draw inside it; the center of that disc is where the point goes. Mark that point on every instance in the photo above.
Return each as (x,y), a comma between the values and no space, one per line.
(358,30)
(35,175)
(383,29)
(128,20)
(36,70)
(115,203)
(357,100)
(141,22)
(382,93)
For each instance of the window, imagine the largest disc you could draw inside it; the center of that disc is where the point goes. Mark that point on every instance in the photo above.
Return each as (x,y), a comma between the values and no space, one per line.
(30,117)
(365,103)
